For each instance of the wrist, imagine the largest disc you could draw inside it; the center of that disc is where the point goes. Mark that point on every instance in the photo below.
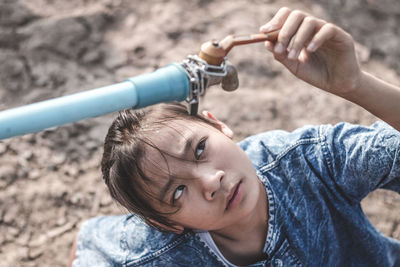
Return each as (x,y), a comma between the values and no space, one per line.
(354,88)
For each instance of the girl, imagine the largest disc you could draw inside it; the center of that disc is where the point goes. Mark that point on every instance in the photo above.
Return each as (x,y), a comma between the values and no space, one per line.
(276,199)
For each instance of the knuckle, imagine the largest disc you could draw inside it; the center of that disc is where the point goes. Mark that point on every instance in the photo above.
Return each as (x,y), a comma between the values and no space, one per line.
(309,20)
(329,26)
(323,22)
(298,13)
(284,9)
(283,38)
(297,44)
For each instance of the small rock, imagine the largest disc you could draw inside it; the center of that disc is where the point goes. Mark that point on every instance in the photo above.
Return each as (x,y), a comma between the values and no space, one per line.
(76,198)
(105,200)
(11,233)
(2,236)
(35,252)
(3,148)
(8,174)
(61,220)
(28,155)
(23,239)
(13,74)
(34,174)
(92,56)
(61,229)
(115,59)
(42,239)
(15,13)
(58,159)
(22,172)
(72,171)
(92,145)
(130,21)
(10,214)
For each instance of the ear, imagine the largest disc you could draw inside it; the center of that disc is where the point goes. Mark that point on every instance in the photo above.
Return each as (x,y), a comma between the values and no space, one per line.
(177,229)
(220,125)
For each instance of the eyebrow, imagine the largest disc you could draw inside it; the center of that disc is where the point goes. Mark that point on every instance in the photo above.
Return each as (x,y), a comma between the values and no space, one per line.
(171,180)
(188,145)
(167,187)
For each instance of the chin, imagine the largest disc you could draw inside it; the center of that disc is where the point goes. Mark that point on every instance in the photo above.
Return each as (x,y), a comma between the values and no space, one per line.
(251,196)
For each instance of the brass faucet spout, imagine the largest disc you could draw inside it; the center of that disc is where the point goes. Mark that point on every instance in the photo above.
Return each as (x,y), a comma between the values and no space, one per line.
(213,52)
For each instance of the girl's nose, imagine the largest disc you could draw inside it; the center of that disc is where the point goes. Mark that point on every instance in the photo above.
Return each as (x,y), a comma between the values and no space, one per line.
(211,184)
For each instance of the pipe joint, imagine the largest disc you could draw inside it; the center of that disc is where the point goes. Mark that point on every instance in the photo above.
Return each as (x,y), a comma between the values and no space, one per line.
(203,75)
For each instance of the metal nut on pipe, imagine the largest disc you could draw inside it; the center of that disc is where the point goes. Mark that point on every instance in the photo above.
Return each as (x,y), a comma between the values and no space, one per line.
(230,82)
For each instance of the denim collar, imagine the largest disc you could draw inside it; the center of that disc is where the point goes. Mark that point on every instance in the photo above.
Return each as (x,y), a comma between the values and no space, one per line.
(273,233)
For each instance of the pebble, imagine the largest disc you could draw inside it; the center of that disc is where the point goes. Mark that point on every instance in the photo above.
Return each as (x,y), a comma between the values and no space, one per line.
(58,158)
(23,238)
(105,200)
(3,148)
(10,214)
(35,252)
(7,173)
(72,171)
(12,232)
(76,198)
(34,174)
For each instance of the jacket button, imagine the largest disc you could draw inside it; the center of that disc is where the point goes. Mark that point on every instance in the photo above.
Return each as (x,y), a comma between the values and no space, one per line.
(278,263)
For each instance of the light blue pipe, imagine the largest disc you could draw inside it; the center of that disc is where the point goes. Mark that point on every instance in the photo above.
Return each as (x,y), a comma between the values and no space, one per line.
(170,83)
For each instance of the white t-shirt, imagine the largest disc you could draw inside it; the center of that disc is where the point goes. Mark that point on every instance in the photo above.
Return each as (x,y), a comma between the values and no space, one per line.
(207,239)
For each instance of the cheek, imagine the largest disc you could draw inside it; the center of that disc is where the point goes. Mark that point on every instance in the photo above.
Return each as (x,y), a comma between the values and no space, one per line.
(194,211)
(234,156)
(223,149)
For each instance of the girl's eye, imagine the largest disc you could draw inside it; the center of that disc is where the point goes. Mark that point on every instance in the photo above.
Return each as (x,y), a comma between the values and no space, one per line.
(200,148)
(178,192)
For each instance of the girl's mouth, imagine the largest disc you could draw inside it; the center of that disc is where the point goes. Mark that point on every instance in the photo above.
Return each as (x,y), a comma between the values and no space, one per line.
(234,197)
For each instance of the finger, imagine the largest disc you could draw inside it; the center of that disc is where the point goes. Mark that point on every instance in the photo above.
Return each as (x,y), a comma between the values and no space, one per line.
(277,20)
(269,45)
(281,57)
(327,32)
(288,30)
(205,113)
(305,32)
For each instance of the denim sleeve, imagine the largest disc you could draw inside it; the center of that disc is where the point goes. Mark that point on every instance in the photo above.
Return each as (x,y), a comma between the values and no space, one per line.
(362,159)
(100,242)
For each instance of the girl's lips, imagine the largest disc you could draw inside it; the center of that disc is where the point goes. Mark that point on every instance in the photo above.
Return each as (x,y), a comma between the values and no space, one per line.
(234,197)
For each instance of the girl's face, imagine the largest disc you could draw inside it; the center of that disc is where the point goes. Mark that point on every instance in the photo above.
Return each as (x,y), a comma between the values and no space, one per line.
(211,179)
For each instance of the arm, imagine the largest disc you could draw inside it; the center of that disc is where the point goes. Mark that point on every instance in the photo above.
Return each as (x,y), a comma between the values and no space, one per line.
(361,159)
(323,55)
(379,98)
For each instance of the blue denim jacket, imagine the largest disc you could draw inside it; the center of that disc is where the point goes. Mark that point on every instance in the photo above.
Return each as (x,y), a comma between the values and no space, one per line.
(315,178)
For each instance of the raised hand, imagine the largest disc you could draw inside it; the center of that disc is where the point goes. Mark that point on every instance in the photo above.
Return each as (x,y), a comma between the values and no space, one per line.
(314,50)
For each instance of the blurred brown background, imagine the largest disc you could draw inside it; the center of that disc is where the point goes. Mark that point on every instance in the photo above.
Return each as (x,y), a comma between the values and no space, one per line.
(50,181)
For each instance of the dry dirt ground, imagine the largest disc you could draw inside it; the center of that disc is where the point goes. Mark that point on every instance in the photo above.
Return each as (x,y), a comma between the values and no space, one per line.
(50,181)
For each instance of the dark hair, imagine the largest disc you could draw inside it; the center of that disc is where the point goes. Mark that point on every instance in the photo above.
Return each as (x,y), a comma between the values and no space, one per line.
(123,156)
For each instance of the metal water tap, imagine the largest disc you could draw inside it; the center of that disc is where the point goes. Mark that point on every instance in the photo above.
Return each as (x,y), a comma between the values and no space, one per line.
(211,67)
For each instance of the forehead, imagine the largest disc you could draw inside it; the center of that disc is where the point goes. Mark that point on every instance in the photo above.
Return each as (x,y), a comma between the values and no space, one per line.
(174,136)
